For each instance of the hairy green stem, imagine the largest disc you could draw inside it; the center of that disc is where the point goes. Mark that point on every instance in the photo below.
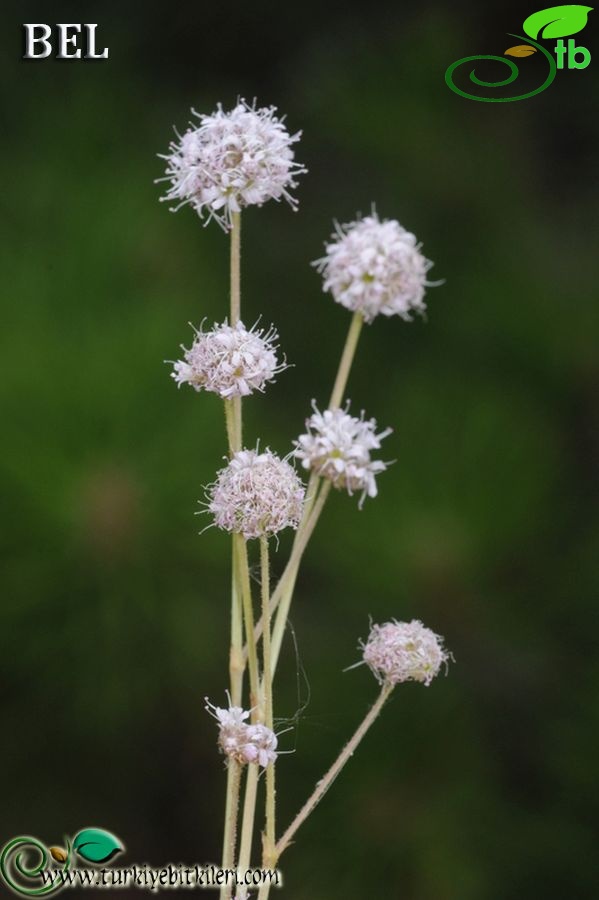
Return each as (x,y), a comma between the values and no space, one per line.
(289,586)
(269,835)
(302,536)
(231,814)
(280,601)
(236,660)
(249,810)
(325,783)
(314,499)
(235,233)
(236,657)
(248,615)
(230,424)
(347,359)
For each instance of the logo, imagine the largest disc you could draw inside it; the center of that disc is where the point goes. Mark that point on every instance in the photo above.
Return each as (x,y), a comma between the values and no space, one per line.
(548,24)
(26,859)
(30,869)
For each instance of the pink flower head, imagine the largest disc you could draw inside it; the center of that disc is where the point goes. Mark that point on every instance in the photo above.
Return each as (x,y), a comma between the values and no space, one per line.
(404,651)
(375,267)
(240,741)
(260,746)
(257,495)
(337,447)
(231,160)
(229,360)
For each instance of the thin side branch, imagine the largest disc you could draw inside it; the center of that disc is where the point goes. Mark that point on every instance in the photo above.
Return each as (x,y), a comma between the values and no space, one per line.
(269,836)
(325,783)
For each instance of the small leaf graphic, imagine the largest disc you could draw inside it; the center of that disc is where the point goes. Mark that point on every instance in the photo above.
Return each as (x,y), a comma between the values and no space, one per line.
(520,50)
(557,21)
(96,845)
(58,854)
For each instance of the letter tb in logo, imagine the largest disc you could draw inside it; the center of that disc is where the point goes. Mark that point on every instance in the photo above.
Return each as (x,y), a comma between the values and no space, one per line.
(571,52)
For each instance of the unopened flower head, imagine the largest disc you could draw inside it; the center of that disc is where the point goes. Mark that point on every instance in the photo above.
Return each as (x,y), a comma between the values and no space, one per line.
(241,741)
(261,745)
(229,160)
(229,360)
(257,495)
(337,446)
(404,651)
(375,267)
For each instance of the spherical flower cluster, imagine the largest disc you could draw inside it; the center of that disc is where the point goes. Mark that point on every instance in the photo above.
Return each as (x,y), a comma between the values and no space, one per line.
(404,651)
(240,741)
(261,745)
(229,360)
(375,267)
(257,495)
(337,446)
(232,160)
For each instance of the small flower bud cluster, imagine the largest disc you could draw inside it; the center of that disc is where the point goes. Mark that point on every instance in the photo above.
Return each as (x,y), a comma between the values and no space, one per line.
(240,741)
(229,361)
(337,446)
(232,159)
(261,745)
(404,651)
(257,495)
(375,268)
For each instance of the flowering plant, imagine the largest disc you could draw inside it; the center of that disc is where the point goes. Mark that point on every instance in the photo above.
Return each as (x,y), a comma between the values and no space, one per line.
(220,165)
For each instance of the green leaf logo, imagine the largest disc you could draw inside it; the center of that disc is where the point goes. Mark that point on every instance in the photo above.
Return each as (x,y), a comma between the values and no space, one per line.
(557,21)
(96,845)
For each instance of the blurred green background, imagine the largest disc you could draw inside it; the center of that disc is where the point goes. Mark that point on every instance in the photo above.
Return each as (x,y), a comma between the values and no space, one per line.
(114,620)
